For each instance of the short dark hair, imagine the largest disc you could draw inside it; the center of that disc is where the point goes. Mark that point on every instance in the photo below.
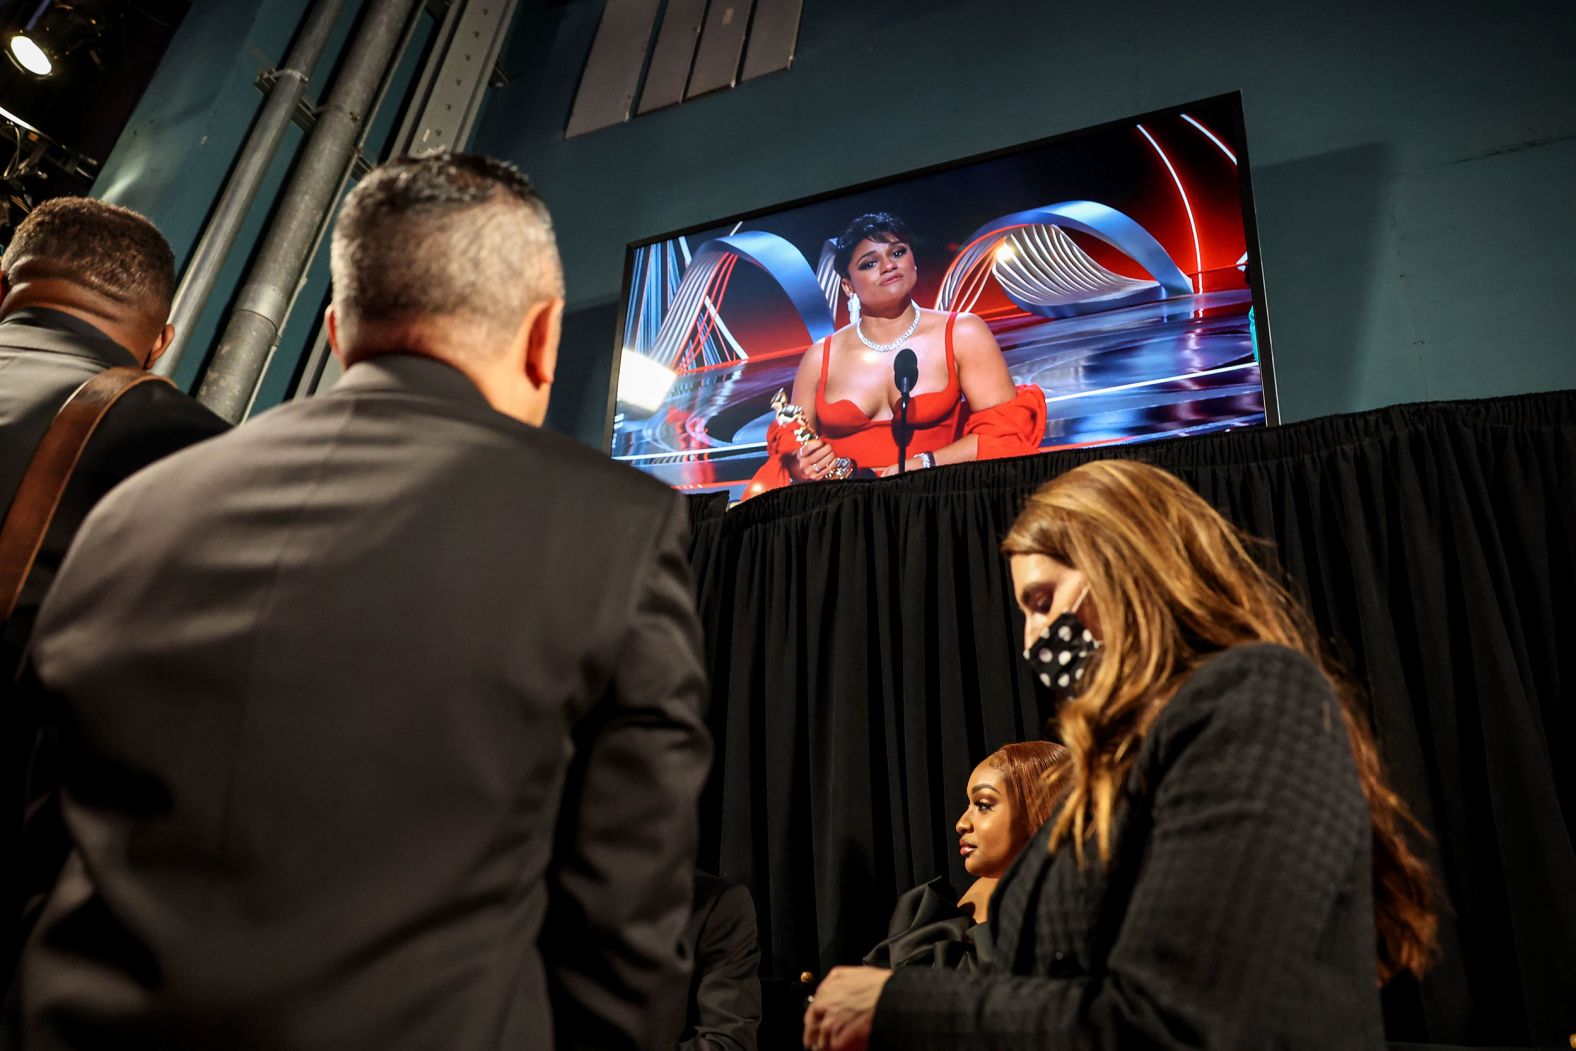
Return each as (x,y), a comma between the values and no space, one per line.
(448,235)
(112,250)
(872,226)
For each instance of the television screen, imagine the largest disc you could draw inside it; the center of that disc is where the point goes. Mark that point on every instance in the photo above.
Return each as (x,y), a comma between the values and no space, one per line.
(1097,288)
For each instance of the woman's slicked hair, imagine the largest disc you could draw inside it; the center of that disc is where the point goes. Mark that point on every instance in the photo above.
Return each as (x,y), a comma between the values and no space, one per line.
(872,226)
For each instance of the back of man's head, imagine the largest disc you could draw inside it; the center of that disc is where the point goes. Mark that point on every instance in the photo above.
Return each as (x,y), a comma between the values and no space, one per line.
(449,246)
(115,260)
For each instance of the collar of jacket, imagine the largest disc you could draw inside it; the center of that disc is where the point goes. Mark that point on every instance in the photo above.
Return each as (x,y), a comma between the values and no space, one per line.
(24,331)
(407,373)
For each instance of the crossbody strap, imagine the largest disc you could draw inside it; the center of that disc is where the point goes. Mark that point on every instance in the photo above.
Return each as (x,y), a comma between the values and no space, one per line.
(38,496)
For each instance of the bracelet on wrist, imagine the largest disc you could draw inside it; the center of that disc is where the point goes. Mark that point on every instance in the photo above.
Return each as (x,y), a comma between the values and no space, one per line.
(927,459)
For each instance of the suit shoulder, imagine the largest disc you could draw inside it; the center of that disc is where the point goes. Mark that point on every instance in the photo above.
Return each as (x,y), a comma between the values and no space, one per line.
(620,482)
(149,424)
(167,406)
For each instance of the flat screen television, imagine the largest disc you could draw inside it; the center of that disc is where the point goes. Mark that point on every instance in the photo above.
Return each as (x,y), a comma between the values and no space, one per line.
(1115,269)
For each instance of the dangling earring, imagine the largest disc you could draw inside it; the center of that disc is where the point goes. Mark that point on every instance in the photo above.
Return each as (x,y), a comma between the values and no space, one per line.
(853,308)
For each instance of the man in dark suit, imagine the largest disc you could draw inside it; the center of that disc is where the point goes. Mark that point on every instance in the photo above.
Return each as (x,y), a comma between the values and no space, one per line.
(84,286)
(383,712)
(725,990)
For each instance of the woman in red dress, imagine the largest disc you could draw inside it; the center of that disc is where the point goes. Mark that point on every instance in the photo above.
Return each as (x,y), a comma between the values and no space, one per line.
(964,405)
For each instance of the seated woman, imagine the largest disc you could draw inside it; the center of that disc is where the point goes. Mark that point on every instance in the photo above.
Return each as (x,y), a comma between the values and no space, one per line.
(1226,866)
(963,407)
(1009,799)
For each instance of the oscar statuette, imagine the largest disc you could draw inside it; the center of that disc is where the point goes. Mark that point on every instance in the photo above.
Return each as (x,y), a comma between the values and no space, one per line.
(793,416)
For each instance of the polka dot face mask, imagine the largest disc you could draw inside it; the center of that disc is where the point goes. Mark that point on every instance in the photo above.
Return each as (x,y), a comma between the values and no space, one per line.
(1061,654)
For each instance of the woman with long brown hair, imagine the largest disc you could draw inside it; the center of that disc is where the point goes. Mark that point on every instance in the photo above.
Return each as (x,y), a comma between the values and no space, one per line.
(1225,866)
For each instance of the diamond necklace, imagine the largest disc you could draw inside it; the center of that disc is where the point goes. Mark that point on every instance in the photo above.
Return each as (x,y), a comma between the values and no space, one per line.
(885,348)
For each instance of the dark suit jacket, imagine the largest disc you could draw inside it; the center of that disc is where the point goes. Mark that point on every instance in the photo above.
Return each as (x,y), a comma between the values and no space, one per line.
(725,989)
(382,729)
(1237,911)
(44,357)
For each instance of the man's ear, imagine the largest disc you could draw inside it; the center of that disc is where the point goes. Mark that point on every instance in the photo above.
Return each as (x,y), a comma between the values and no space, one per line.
(331,322)
(543,327)
(5,286)
(161,343)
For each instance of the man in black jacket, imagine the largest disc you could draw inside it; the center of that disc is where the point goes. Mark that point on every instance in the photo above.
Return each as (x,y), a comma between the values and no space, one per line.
(84,286)
(725,990)
(384,709)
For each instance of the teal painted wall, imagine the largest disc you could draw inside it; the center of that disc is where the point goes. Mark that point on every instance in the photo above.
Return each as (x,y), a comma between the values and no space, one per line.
(172,159)
(1414,167)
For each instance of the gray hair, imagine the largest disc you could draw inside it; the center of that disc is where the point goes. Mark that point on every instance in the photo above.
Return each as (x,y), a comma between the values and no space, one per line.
(452,237)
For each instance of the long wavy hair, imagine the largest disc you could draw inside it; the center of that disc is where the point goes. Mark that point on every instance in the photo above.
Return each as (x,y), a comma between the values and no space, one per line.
(1030,768)
(1173,582)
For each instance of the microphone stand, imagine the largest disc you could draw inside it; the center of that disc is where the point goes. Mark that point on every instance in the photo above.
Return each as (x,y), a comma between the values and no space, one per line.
(902,433)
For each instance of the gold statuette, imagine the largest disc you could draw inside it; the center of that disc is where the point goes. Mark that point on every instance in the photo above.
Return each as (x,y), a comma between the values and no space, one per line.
(793,416)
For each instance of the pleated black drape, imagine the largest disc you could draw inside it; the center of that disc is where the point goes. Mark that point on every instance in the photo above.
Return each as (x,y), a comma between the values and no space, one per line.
(863,647)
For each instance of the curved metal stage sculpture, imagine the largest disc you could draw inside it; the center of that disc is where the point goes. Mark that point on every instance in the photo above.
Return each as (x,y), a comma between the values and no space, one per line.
(826,273)
(693,319)
(1045,273)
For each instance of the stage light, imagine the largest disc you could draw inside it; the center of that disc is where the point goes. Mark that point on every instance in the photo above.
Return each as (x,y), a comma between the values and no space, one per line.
(46,44)
(642,383)
(26,53)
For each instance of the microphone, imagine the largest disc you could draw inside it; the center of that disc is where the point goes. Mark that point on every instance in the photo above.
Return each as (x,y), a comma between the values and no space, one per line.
(905,371)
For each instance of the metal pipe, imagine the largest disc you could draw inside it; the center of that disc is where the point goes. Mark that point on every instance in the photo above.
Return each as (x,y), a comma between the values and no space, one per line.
(240,189)
(265,299)
(390,74)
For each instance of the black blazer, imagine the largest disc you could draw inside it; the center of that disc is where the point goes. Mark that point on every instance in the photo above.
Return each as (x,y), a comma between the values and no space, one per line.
(381,729)
(1237,911)
(40,367)
(725,989)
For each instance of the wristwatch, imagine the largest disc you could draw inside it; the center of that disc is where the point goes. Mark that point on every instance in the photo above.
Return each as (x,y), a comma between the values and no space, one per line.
(927,459)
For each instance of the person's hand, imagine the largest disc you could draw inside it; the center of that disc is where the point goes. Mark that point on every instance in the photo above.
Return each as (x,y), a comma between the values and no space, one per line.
(914,464)
(811,461)
(843,1008)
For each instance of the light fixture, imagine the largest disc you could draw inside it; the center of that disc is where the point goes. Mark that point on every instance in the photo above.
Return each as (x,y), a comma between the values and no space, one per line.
(26,53)
(642,383)
(43,44)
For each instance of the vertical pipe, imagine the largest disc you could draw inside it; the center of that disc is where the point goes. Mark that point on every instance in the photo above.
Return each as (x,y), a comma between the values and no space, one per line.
(390,73)
(265,298)
(240,189)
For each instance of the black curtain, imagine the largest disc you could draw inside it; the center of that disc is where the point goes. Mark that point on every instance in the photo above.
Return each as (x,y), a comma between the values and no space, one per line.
(863,648)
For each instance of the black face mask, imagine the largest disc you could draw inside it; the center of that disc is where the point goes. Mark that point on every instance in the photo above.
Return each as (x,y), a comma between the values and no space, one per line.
(1061,654)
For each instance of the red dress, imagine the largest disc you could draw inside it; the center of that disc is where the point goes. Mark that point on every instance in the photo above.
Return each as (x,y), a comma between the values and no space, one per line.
(936,419)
